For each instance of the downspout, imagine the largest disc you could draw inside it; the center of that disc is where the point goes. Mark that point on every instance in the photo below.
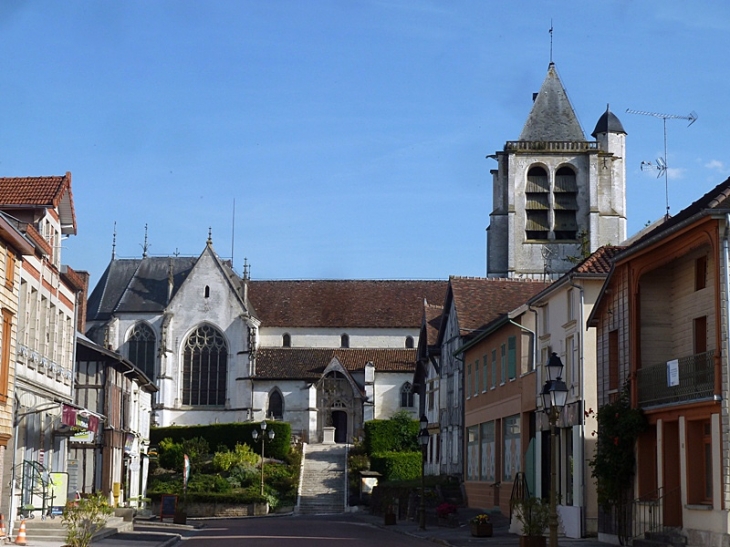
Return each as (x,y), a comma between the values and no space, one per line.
(726,260)
(538,385)
(581,427)
(534,341)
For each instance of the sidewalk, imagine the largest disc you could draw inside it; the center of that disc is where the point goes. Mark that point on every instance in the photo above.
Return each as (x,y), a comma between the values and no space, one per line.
(460,536)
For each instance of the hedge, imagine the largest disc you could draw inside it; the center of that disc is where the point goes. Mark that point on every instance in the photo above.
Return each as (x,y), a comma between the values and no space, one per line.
(394,435)
(230,434)
(397,466)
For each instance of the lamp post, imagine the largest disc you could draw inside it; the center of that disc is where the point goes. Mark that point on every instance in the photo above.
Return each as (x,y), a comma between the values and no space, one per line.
(554,396)
(423,441)
(255,435)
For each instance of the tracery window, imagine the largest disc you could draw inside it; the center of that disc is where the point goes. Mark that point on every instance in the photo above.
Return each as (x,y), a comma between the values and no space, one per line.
(141,345)
(406,395)
(205,366)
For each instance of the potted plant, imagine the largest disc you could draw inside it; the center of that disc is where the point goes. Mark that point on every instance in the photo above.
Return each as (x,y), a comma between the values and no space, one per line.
(481,526)
(390,511)
(446,513)
(534,516)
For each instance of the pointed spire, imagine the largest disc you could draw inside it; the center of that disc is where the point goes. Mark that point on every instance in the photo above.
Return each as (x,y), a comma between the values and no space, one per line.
(552,117)
(114,241)
(210,236)
(146,246)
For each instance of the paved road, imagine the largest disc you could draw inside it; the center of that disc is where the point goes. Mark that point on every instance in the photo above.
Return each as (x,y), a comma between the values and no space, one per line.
(301,531)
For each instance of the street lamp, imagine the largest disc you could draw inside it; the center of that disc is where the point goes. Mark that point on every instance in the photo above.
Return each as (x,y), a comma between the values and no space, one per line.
(423,441)
(554,396)
(255,435)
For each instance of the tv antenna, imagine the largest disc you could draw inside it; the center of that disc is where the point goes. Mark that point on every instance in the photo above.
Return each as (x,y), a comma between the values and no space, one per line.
(661,163)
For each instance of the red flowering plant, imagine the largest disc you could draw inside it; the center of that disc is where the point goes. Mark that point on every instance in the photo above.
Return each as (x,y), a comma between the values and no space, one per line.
(446,509)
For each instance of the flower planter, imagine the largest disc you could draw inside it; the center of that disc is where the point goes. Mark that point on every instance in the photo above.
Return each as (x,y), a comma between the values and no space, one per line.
(482,530)
(532,541)
(389,519)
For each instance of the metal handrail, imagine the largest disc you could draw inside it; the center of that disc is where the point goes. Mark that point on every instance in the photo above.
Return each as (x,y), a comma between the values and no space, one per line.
(520,491)
(648,511)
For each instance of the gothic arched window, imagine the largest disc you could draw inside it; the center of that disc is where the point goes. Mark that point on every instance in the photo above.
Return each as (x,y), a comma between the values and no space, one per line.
(141,348)
(406,395)
(205,364)
(409,342)
(276,406)
(344,341)
(286,340)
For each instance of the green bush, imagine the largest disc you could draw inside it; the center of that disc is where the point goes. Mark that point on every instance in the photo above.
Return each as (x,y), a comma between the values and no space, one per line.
(397,465)
(241,456)
(208,483)
(84,518)
(229,435)
(170,455)
(398,434)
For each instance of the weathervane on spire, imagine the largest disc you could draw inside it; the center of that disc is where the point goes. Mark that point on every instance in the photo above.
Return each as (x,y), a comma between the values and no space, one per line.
(551,41)
(146,246)
(114,241)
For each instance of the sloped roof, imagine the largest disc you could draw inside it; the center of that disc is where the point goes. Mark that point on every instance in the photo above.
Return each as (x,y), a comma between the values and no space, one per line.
(343,303)
(137,285)
(598,263)
(432,316)
(717,199)
(478,301)
(608,123)
(45,192)
(552,117)
(309,363)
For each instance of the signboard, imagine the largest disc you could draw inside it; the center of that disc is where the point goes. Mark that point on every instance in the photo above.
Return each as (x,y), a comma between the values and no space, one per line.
(59,492)
(168,506)
(673,373)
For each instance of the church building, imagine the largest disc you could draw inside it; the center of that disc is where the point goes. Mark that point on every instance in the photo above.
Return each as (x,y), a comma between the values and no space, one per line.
(223,348)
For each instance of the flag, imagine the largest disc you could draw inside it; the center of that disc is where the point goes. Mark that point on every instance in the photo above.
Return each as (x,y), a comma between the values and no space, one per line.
(186,471)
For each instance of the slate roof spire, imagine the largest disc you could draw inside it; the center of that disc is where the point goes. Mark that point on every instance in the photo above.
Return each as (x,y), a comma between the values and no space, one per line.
(552,117)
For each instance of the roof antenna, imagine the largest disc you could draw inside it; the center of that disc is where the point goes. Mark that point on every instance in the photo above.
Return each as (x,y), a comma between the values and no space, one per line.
(146,245)
(114,241)
(233,229)
(551,41)
(661,163)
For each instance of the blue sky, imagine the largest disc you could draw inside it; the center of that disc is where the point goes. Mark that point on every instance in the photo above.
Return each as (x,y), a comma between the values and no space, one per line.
(351,135)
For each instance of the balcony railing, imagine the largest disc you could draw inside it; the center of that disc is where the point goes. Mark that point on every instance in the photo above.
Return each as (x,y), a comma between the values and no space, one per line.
(696,381)
(550,146)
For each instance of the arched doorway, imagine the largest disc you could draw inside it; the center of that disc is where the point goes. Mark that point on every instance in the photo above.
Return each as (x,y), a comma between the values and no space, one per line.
(339,422)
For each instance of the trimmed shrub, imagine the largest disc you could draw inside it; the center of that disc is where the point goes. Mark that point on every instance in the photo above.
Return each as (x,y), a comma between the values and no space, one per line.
(241,456)
(397,465)
(398,434)
(229,435)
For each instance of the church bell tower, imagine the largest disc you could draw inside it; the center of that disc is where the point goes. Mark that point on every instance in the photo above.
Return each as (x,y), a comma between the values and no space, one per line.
(556,195)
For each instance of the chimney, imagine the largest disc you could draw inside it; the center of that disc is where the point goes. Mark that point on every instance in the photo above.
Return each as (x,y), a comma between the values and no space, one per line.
(82,304)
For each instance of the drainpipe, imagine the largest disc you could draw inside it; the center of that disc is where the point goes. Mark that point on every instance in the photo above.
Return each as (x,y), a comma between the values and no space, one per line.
(534,341)
(581,427)
(726,260)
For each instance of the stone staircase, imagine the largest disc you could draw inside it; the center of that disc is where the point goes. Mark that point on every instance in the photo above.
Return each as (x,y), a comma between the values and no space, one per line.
(49,529)
(324,479)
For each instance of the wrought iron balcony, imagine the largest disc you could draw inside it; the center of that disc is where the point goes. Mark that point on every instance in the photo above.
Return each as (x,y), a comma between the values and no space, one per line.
(696,381)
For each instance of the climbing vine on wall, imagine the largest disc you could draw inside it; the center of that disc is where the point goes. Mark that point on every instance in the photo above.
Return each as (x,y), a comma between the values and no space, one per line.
(614,462)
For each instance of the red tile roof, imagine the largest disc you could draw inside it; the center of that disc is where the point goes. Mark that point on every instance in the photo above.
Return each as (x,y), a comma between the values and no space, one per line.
(48,191)
(309,363)
(600,262)
(479,301)
(343,303)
